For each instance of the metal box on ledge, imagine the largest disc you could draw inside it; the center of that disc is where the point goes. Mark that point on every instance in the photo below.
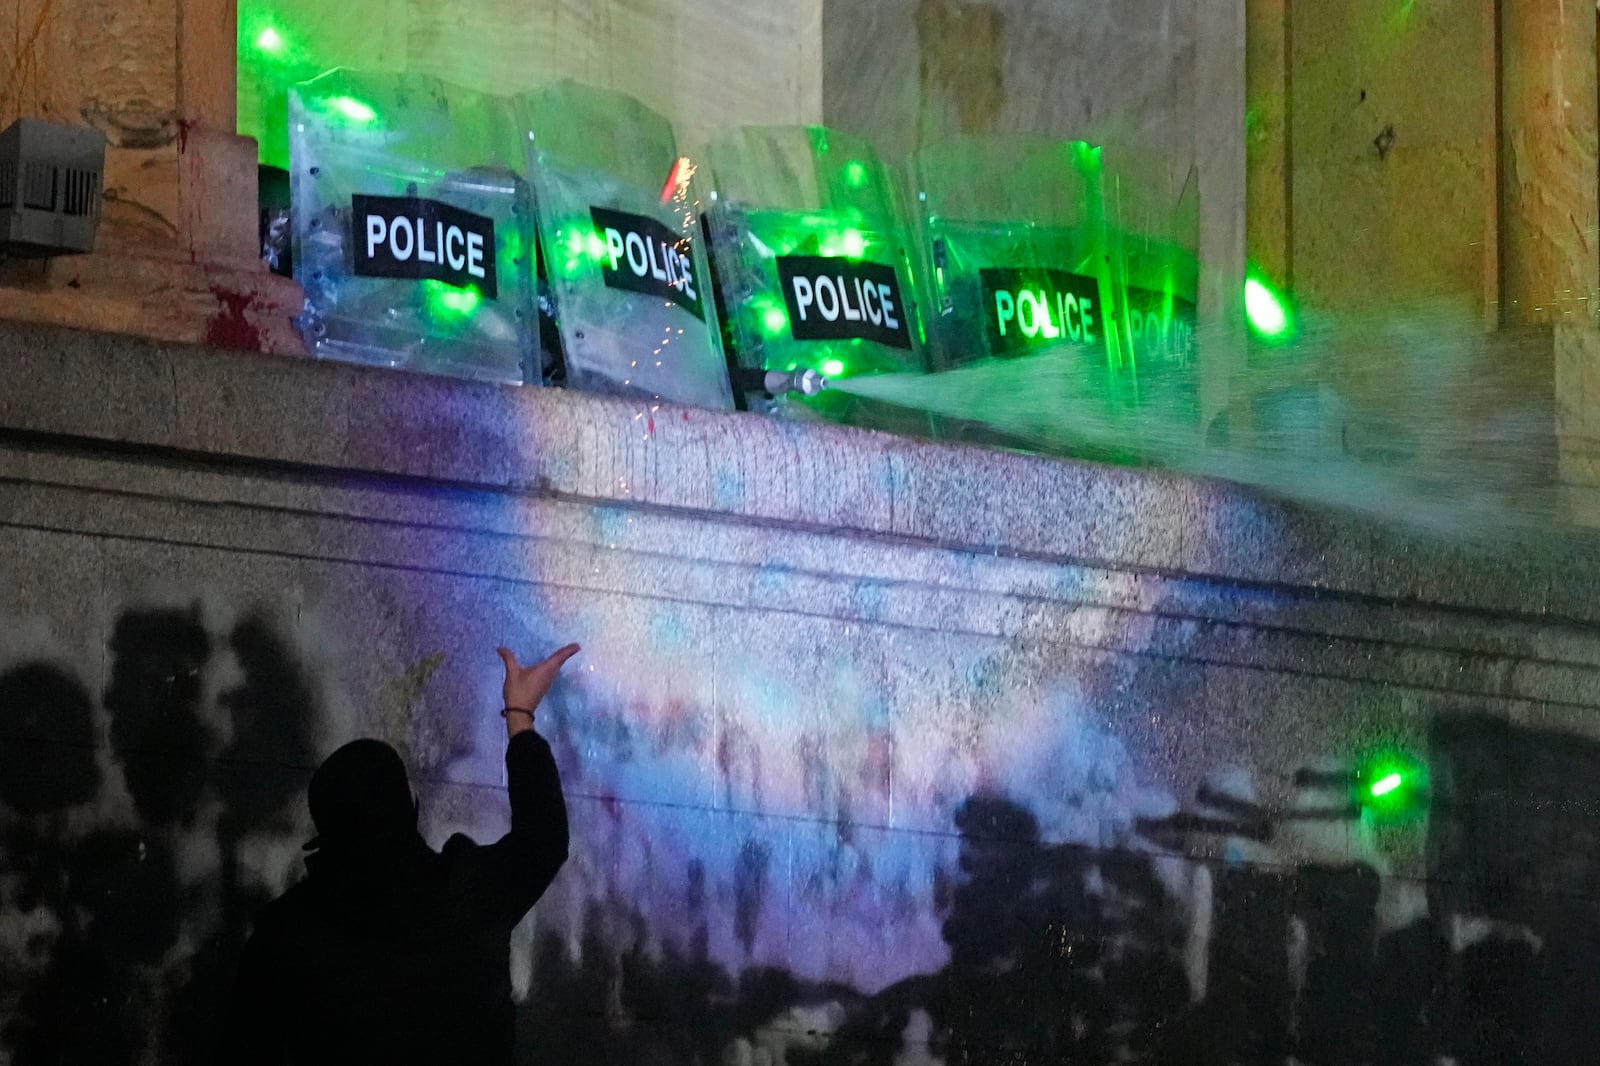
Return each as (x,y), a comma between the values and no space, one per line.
(50,182)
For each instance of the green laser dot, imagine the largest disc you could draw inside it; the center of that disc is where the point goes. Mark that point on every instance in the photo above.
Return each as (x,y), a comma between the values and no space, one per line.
(353,109)
(269,40)
(855,245)
(1265,310)
(597,247)
(832,368)
(1387,784)
(774,320)
(855,174)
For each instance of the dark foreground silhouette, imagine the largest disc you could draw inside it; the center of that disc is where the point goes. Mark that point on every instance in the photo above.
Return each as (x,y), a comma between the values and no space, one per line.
(389,951)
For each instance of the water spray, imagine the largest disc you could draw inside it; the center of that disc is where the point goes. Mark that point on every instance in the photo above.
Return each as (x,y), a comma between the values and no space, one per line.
(1417,419)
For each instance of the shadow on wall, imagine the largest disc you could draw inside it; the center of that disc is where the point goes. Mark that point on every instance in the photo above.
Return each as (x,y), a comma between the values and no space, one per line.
(1060,953)
(113,949)
(122,905)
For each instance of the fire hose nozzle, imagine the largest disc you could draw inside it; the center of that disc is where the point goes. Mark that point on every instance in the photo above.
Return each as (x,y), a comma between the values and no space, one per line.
(805,382)
(777,382)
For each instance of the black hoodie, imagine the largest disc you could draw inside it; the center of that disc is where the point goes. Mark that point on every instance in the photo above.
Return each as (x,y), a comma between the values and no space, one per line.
(391,953)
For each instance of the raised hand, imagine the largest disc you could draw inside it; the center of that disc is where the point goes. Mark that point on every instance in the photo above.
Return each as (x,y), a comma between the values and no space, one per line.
(527,686)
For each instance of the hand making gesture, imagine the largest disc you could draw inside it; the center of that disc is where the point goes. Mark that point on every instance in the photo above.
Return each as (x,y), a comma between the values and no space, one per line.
(527,686)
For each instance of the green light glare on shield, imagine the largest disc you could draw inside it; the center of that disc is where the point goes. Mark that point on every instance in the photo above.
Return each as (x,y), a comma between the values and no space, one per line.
(1268,315)
(270,40)
(353,109)
(855,174)
(511,245)
(597,247)
(447,301)
(774,320)
(832,368)
(855,245)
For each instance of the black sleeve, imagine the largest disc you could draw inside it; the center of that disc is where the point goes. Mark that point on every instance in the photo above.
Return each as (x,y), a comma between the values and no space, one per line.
(258,1013)
(511,874)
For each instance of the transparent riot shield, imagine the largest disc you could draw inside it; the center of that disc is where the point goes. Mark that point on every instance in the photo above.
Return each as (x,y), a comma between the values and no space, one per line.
(623,262)
(410,225)
(808,252)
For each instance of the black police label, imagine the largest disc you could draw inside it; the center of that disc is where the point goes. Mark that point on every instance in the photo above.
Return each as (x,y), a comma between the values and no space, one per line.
(642,255)
(843,299)
(1162,326)
(1030,308)
(409,237)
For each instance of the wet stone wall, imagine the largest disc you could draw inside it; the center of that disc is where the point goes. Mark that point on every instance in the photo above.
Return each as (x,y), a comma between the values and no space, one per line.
(876,752)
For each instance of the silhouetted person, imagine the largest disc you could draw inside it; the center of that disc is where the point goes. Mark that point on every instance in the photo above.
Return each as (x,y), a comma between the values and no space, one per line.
(389,952)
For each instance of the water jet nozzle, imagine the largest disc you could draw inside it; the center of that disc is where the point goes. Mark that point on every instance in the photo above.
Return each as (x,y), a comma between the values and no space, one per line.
(777,382)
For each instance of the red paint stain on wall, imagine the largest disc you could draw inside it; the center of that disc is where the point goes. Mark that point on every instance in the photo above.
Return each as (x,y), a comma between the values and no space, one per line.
(230,327)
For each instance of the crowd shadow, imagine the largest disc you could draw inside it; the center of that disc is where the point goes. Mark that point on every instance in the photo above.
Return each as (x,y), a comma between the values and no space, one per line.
(123,914)
(119,947)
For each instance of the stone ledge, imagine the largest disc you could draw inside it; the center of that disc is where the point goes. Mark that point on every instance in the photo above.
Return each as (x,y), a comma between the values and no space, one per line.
(230,407)
(735,567)
(170,295)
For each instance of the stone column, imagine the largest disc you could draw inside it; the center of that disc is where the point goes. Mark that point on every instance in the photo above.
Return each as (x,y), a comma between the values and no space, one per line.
(1267,137)
(1221,152)
(176,255)
(1549,217)
(1549,209)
